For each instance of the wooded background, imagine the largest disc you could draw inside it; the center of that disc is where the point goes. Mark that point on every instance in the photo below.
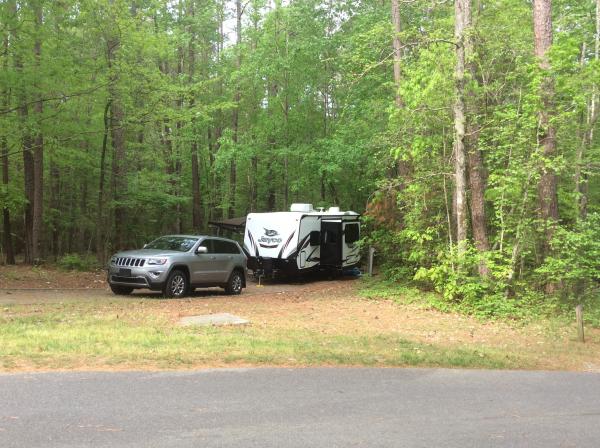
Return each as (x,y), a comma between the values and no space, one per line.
(465,131)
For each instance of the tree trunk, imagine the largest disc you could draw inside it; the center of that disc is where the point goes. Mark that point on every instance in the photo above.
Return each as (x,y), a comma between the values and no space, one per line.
(460,202)
(581,178)
(100,249)
(27,149)
(474,156)
(196,193)
(117,133)
(7,235)
(254,186)
(271,200)
(397,49)
(38,149)
(236,109)
(547,187)
(55,206)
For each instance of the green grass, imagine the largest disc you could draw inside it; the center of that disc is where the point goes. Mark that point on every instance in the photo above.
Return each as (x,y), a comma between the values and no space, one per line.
(519,310)
(89,336)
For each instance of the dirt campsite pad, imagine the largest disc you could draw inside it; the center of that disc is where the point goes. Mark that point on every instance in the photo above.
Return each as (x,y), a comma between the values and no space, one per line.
(318,322)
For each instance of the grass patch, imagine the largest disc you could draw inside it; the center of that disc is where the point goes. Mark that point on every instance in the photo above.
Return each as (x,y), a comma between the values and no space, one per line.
(87,335)
(520,310)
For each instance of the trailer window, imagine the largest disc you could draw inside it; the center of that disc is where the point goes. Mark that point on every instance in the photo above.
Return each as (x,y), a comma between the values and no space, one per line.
(351,233)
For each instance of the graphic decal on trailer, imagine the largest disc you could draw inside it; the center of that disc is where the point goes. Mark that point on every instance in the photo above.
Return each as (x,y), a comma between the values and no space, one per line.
(286,244)
(253,243)
(270,240)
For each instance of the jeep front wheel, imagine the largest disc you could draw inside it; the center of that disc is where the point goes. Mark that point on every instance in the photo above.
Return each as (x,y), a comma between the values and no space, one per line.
(177,284)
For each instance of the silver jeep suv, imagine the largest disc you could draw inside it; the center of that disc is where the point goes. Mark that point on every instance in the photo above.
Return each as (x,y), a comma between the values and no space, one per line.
(178,264)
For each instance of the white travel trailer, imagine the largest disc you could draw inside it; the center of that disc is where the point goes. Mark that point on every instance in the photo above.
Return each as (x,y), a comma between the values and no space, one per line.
(301,240)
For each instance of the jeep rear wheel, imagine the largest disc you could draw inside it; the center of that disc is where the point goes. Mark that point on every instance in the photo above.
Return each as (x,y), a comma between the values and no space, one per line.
(177,284)
(235,283)
(121,290)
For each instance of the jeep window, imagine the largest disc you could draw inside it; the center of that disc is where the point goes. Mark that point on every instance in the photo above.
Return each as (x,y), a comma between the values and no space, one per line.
(225,247)
(231,248)
(210,245)
(352,233)
(177,243)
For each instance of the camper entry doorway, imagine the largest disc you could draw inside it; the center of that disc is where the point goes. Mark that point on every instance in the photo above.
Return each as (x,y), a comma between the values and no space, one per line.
(331,243)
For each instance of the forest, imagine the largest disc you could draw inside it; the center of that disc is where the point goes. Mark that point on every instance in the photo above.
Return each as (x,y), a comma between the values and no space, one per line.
(465,132)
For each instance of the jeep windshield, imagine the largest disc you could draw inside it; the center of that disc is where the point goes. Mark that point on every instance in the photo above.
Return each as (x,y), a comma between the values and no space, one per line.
(177,243)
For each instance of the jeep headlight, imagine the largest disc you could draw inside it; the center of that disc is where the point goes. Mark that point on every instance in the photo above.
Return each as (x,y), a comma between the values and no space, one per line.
(113,260)
(156,261)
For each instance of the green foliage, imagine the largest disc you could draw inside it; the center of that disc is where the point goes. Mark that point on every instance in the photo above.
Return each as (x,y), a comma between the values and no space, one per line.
(575,261)
(77,262)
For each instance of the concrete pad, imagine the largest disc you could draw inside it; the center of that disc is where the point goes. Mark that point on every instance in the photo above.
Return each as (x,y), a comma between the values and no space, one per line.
(213,319)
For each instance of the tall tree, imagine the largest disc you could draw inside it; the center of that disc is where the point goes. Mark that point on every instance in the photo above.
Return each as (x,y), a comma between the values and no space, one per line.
(547,187)
(196,194)
(117,131)
(590,119)
(397,45)
(239,11)
(461,11)
(10,10)
(474,156)
(38,142)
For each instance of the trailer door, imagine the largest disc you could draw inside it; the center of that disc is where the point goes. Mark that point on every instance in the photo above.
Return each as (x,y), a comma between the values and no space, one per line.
(331,243)
(350,252)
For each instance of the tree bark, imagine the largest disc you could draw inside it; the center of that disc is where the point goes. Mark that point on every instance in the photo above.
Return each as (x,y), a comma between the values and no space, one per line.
(27,150)
(117,133)
(474,156)
(460,202)
(100,249)
(7,235)
(55,207)
(581,177)
(236,109)
(197,217)
(254,183)
(547,187)
(397,49)
(38,149)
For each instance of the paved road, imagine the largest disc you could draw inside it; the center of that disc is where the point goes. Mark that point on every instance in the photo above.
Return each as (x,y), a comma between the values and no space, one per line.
(301,408)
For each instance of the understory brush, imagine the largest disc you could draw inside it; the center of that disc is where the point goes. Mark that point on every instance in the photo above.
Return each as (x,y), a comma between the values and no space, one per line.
(513,282)
(483,301)
(77,262)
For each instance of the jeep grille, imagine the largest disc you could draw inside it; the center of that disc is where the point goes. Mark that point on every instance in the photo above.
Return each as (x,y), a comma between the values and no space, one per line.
(127,261)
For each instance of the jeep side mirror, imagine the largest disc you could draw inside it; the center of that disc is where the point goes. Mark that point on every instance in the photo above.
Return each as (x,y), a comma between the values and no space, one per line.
(145,245)
(315,238)
(202,250)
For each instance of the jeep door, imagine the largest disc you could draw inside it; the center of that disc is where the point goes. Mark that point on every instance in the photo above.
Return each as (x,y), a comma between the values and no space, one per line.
(207,268)
(224,251)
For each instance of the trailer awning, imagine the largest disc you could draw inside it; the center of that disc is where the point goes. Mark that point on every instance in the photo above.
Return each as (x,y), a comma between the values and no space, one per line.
(232,224)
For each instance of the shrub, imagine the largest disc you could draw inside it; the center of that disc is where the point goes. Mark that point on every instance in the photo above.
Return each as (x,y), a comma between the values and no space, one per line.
(76,262)
(574,263)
